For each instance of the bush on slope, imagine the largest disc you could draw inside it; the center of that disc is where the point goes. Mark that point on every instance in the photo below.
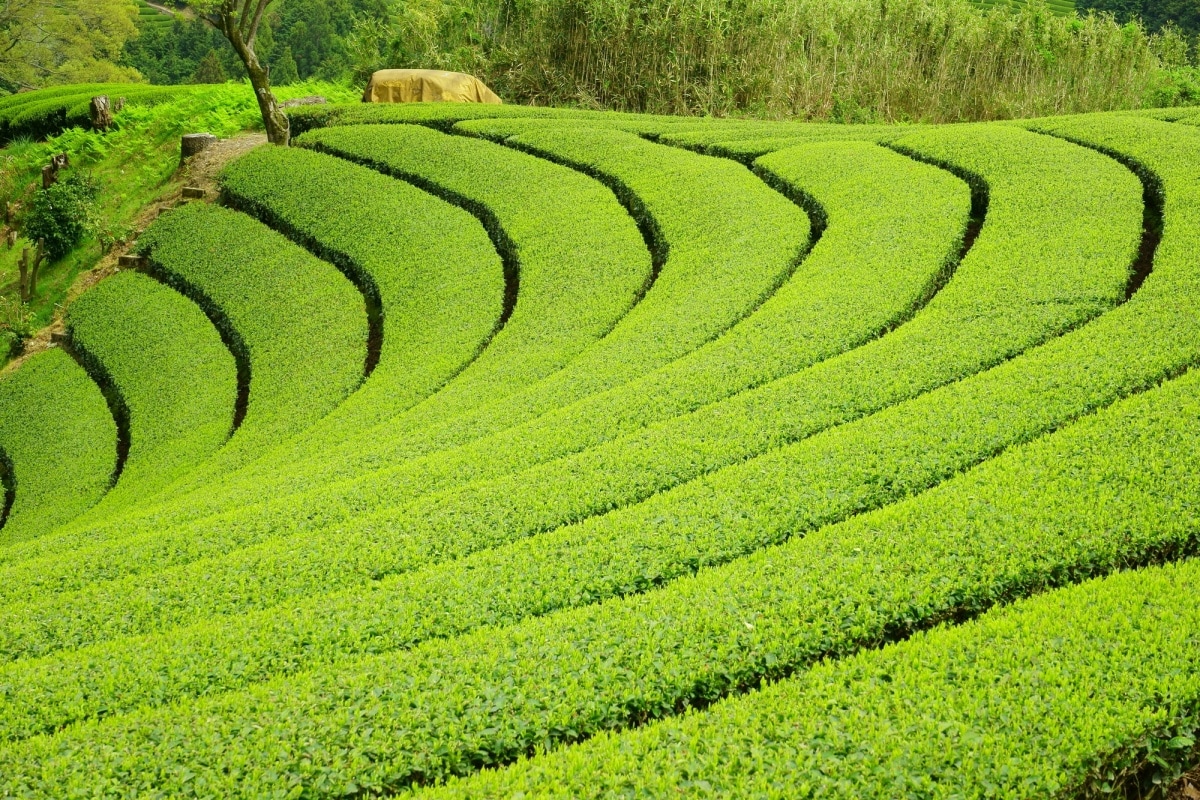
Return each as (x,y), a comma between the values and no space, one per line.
(1064,244)
(176,378)
(1121,482)
(1068,694)
(718,213)
(729,243)
(59,440)
(878,256)
(581,262)
(42,116)
(300,323)
(880,262)
(430,265)
(317,707)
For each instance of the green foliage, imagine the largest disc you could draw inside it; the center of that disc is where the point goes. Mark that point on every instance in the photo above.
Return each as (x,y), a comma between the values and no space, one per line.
(430,266)
(867,232)
(299,321)
(598,479)
(175,378)
(57,434)
(68,41)
(62,214)
(285,69)
(1040,217)
(1067,694)
(210,70)
(851,59)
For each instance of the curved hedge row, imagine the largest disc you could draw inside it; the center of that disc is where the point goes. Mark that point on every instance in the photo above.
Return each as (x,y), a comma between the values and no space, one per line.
(1067,244)
(1064,695)
(711,212)
(730,243)
(582,265)
(387,720)
(302,323)
(986,537)
(881,261)
(60,441)
(878,258)
(49,112)
(176,377)
(437,276)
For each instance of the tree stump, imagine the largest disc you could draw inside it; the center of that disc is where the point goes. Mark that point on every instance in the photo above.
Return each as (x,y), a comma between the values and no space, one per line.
(119,106)
(101,113)
(51,170)
(194,143)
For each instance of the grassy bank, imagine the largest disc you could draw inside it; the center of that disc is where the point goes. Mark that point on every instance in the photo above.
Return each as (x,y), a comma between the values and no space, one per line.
(133,165)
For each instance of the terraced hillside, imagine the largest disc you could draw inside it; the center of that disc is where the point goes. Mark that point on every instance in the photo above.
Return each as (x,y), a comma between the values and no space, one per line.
(498,452)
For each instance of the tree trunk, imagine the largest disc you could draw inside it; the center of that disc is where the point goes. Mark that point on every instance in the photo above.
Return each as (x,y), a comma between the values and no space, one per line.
(279,127)
(241,31)
(37,265)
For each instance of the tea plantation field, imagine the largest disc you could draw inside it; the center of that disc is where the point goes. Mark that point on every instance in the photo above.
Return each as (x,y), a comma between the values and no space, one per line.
(474,451)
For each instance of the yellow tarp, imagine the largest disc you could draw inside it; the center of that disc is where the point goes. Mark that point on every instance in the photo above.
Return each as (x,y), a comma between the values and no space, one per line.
(426,86)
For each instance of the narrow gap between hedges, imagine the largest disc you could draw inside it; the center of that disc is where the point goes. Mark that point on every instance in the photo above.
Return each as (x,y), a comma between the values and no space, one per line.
(647,225)
(229,334)
(703,695)
(8,479)
(501,241)
(1153,197)
(362,280)
(117,406)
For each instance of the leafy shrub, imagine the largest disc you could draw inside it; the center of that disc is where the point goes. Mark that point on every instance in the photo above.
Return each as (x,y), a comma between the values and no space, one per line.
(62,214)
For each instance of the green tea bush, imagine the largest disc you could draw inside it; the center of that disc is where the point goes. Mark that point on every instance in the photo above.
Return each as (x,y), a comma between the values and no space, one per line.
(428,265)
(1072,693)
(173,373)
(723,216)
(60,438)
(301,323)
(476,701)
(1083,243)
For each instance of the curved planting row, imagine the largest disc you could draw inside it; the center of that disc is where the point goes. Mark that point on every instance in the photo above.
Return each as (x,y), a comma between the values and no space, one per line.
(720,214)
(176,379)
(302,324)
(1076,693)
(59,444)
(430,265)
(877,258)
(1090,239)
(879,261)
(582,264)
(735,243)
(985,537)
(450,706)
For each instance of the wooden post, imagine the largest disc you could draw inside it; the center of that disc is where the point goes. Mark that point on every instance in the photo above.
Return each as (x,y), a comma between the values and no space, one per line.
(101,113)
(10,238)
(37,263)
(23,266)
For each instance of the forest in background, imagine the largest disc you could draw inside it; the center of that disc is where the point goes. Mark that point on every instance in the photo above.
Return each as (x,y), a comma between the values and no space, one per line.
(851,60)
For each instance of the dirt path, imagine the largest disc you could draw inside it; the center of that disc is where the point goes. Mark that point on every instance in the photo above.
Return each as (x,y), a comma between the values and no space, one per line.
(201,171)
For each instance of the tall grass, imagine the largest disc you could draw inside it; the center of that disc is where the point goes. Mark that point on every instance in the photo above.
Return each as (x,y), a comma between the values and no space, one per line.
(927,60)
